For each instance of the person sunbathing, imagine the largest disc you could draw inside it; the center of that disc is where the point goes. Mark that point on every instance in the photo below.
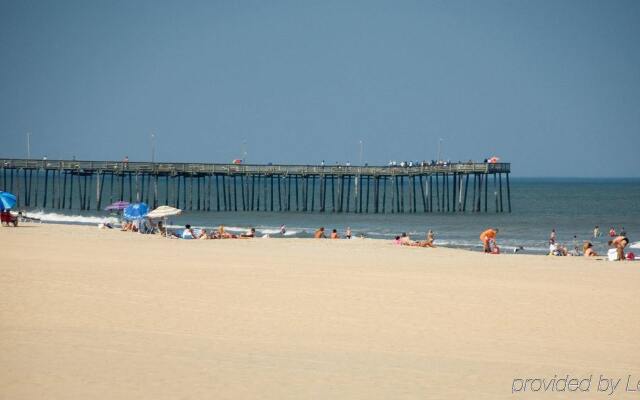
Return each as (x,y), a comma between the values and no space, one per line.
(222,234)
(588,250)
(249,234)
(188,232)
(405,239)
(430,239)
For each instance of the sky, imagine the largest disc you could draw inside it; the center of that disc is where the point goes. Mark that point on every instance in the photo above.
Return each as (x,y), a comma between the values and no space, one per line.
(551,86)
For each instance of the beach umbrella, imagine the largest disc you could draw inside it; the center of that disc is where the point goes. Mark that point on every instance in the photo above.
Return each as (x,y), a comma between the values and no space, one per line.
(117,206)
(7,201)
(636,245)
(136,211)
(164,212)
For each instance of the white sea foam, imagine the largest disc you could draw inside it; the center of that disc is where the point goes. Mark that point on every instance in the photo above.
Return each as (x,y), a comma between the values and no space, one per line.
(76,219)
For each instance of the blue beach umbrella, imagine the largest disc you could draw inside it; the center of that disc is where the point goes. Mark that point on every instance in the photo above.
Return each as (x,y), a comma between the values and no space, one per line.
(136,211)
(7,201)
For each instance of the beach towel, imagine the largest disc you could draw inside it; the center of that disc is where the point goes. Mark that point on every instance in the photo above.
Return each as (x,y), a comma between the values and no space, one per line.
(612,255)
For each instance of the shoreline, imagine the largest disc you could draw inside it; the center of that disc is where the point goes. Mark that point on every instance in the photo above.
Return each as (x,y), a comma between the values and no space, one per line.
(477,248)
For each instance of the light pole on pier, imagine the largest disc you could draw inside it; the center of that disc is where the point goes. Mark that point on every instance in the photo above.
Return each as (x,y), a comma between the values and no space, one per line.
(439,148)
(244,151)
(153,148)
(28,145)
(361,151)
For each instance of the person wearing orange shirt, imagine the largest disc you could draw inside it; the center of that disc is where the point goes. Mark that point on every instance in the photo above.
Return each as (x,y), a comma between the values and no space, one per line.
(486,237)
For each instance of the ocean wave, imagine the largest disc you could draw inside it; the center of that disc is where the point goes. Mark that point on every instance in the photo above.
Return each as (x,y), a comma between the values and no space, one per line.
(75,219)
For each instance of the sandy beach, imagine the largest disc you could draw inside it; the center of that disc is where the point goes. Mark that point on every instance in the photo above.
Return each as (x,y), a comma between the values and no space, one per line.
(103,314)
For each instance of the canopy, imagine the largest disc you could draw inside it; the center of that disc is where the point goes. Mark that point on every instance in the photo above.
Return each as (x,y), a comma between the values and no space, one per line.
(164,212)
(117,206)
(136,211)
(7,201)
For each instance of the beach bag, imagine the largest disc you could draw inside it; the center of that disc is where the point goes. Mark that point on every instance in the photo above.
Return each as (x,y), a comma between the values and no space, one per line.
(612,255)
(631,256)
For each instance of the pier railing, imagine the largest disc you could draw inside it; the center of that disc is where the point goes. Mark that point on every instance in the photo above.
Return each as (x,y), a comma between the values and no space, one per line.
(281,169)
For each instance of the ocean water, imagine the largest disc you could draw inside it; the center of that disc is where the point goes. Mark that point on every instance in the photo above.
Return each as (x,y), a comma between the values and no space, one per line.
(571,206)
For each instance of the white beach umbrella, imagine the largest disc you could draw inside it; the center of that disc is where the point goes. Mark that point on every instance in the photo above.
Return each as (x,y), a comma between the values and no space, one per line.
(164,212)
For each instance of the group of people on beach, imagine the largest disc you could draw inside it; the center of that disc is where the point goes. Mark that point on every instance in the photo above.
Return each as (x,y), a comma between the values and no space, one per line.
(320,233)
(617,245)
(404,240)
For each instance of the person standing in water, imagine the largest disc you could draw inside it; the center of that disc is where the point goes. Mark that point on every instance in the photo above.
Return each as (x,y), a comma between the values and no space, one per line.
(553,236)
(596,232)
(347,234)
(283,229)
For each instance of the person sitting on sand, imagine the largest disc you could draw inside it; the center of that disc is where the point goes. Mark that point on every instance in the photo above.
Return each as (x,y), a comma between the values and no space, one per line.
(334,234)
(486,236)
(397,241)
(224,235)
(320,233)
(555,249)
(430,239)
(188,233)
(588,250)
(405,239)
(250,233)
(619,243)
(161,229)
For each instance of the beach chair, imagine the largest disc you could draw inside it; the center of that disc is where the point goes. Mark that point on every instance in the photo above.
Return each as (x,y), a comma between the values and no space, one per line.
(7,219)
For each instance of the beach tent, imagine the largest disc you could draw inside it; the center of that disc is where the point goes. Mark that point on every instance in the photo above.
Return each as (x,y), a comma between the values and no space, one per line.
(136,211)
(7,201)
(164,212)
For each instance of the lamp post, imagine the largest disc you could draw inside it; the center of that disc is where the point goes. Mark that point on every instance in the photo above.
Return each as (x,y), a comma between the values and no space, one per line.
(439,148)
(28,145)
(244,151)
(361,151)
(153,148)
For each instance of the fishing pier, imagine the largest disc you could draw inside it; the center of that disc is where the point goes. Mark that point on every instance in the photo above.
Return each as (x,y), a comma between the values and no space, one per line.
(91,185)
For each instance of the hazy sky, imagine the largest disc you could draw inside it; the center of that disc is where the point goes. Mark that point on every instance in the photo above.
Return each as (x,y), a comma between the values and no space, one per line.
(551,86)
